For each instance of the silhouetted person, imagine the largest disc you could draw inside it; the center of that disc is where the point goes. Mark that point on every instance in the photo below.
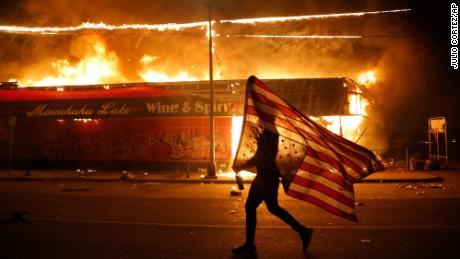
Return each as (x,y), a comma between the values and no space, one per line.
(265,188)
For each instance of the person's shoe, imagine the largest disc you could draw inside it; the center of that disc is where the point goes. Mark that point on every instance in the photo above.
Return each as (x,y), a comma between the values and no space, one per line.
(245,250)
(305,235)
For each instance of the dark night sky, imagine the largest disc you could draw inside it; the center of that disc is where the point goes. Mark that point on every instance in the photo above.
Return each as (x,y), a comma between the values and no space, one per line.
(421,87)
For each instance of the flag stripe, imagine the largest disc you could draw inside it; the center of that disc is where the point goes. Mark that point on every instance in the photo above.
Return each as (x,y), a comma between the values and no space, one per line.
(274,128)
(307,167)
(318,155)
(260,97)
(338,196)
(269,116)
(339,148)
(321,196)
(345,143)
(336,164)
(283,109)
(326,165)
(274,98)
(351,167)
(321,204)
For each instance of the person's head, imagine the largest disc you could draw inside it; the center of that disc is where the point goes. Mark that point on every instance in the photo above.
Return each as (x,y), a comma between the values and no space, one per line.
(268,140)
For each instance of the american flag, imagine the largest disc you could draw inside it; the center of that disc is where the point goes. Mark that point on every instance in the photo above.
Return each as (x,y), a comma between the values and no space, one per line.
(315,164)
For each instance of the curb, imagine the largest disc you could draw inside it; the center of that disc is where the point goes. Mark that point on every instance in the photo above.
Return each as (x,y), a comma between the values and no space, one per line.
(83,179)
(431,179)
(196,181)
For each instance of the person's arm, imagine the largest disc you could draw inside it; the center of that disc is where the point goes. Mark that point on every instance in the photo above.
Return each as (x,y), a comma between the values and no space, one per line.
(249,163)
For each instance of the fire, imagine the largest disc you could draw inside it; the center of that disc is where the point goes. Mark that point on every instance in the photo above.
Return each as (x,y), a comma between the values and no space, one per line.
(295,36)
(96,66)
(153,76)
(367,78)
(357,104)
(101,26)
(309,17)
(347,126)
(179,27)
(237,124)
(150,75)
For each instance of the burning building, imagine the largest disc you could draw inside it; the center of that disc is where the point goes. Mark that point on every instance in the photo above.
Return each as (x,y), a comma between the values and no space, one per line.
(154,125)
(75,112)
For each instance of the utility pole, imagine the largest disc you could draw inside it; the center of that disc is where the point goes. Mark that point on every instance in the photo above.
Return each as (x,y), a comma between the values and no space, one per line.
(212,158)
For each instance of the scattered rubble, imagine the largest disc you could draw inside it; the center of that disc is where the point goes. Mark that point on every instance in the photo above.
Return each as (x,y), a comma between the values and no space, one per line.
(235,191)
(423,186)
(126,176)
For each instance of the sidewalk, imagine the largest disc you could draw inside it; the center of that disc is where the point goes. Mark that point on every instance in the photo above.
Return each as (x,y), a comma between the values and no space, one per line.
(192,177)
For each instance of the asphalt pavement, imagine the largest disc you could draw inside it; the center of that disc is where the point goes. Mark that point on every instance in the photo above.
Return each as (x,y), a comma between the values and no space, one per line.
(200,176)
(113,219)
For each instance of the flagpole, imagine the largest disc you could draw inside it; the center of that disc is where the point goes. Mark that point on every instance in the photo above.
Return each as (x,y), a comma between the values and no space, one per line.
(212,159)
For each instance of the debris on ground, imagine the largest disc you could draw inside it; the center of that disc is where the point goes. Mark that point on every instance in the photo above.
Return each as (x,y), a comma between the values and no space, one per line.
(423,186)
(77,189)
(357,203)
(232,212)
(235,191)
(365,240)
(126,176)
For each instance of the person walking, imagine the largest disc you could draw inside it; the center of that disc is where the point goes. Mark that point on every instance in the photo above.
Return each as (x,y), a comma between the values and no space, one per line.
(265,188)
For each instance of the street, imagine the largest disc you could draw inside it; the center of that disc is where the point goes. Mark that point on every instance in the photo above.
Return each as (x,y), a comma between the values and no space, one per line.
(84,219)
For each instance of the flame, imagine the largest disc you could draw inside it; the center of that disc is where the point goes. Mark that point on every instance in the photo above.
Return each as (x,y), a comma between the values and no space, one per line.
(101,26)
(357,104)
(367,78)
(153,76)
(294,36)
(148,74)
(237,125)
(309,17)
(346,126)
(97,66)
(179,27)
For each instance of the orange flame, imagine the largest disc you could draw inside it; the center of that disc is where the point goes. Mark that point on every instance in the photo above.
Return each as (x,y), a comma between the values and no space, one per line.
(367,78)
(97,66)
(148,74)
(178,27)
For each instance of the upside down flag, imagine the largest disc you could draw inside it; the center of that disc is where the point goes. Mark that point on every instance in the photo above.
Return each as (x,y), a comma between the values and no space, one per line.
(315,164)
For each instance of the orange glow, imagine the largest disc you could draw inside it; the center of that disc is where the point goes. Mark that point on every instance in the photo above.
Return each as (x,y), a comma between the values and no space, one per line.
(101,26)
(357,104)
(179,27)
(348,125)
(148,74)
(153,76)
(237,125)
(367,78)
(97,66)
(308,17)
(267,36)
